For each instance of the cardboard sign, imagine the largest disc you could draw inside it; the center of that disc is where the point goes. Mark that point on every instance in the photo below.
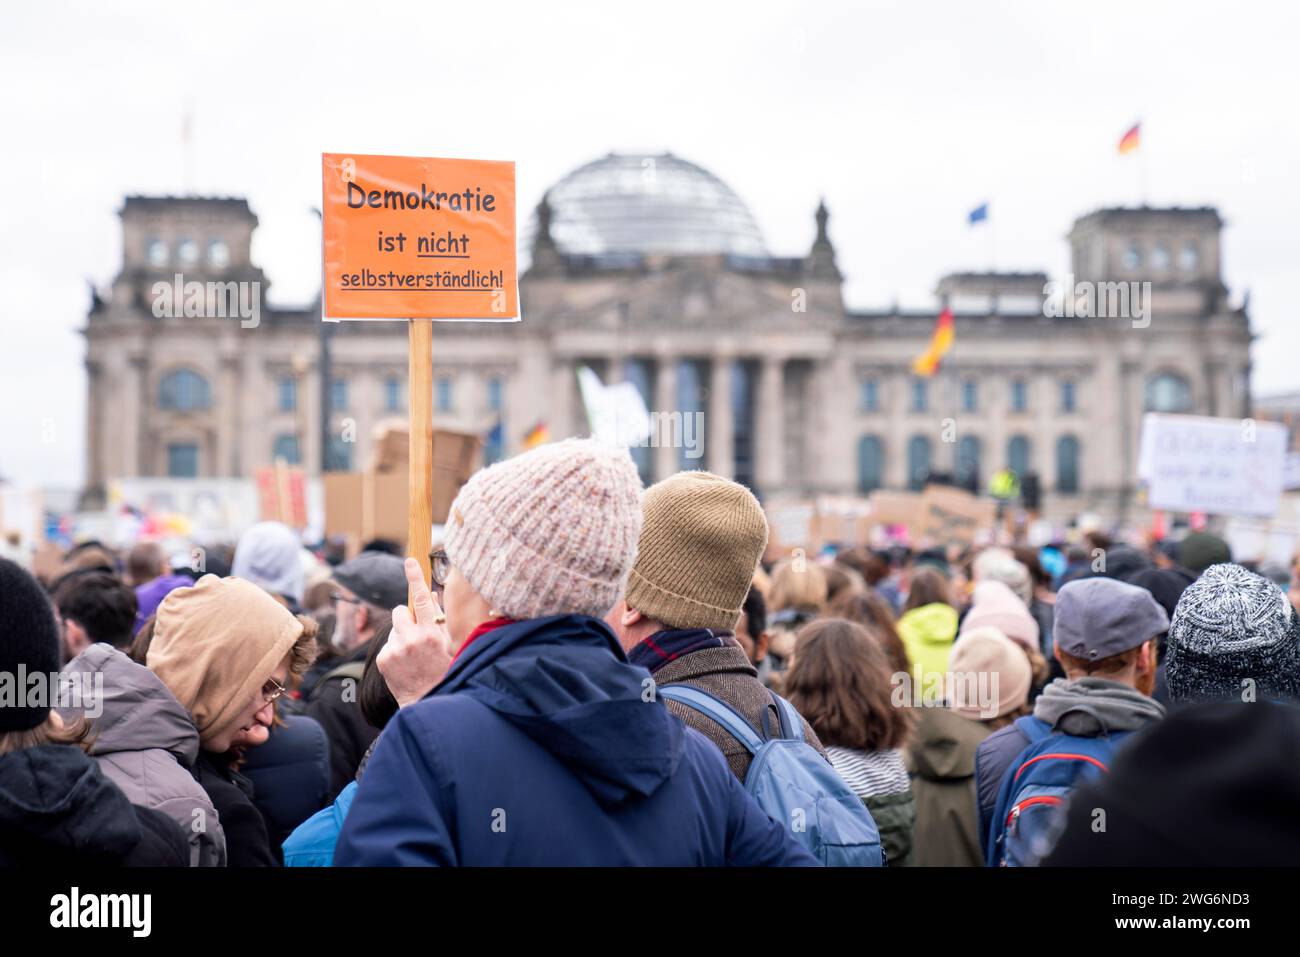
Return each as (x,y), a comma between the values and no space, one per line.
(1197,463)
(955,515)
(791,524)
(418,238)
(282,495)
(376,502)
(897,509)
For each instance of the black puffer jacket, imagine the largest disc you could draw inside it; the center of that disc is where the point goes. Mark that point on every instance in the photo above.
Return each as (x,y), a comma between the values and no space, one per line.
(57,809)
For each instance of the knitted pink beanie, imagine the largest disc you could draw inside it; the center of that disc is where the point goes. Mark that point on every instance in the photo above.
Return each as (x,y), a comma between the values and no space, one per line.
(995,605)
(551,532)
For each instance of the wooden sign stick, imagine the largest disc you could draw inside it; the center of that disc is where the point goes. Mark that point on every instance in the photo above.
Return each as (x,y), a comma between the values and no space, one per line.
(420,454)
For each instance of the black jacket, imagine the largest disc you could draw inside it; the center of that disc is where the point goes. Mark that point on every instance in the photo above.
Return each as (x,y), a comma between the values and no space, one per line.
(334,705)
(57,809)
(247,843)
(290,775)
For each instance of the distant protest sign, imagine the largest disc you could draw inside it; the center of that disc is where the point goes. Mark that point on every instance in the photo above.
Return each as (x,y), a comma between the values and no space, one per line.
(410,237)
(955,515)
(792,523)
(902,510)
(1220,466)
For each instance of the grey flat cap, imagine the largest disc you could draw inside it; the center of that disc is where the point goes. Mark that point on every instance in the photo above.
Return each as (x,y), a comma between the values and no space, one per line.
(375,577)
(1100,617)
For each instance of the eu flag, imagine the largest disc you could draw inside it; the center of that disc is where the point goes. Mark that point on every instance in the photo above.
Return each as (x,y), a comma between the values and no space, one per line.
(979,213)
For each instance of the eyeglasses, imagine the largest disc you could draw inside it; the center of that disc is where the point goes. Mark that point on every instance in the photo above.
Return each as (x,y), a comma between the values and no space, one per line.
(440,566)
(272,690)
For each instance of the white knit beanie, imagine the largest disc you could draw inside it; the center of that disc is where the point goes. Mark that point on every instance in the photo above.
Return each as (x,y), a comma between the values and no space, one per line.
(551,532)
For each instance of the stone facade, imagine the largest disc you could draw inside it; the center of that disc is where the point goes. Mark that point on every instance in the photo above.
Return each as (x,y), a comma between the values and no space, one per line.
(797,393)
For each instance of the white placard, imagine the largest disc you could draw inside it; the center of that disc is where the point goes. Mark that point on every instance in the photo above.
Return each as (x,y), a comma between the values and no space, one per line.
(1218,466)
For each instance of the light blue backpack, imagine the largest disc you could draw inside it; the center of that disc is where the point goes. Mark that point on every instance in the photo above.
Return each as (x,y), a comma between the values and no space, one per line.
(796,786)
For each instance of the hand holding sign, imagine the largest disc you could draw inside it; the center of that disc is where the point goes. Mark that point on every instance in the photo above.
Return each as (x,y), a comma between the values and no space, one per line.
(418,652)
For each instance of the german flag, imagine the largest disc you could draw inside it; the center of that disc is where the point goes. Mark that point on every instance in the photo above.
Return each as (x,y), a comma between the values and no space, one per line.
(927,363)
(539,434)
(1129,141)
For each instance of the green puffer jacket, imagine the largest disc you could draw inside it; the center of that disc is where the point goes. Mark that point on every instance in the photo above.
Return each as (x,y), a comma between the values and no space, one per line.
(895,815)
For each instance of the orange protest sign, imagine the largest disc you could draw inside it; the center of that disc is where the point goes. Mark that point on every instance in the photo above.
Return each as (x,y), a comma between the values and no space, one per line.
(409,237)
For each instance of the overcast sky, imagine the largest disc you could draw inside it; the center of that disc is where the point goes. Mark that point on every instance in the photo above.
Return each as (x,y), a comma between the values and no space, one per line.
(904,116)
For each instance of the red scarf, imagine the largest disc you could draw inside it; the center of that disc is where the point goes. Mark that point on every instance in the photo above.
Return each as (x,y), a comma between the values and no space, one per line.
(482,629)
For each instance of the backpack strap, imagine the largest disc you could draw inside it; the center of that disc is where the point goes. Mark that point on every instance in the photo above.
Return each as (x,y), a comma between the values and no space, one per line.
(791,723)
(715,709)
(1033,728)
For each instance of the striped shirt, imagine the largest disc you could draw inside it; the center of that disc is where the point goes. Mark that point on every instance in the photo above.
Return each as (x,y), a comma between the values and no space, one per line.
(871,773)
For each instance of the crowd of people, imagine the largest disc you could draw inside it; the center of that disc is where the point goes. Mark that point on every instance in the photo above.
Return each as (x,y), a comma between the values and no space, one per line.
(603,674)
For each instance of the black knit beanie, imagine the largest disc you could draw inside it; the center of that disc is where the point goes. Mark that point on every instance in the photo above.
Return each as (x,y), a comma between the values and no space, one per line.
(1233,636)
(29,638)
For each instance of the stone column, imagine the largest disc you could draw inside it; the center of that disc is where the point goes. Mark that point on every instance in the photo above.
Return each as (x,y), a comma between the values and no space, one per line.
(560,402)
(307,419)
(226,388)
(665,454)
(770,425)
(94,427)
(254,437)
(1045,400)
(719,432)
(136,400)
(837,469)
(897,400)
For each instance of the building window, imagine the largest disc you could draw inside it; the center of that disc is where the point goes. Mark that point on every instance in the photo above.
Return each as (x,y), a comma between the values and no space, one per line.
(286,447)
(692,399)
(187,250)
(1019,395)
(1018,455)
(1067,464)
(919,395)
(1189,257)
(392,394)
(969,395)
(968,462)
(184,391)
(635,371)
(918,462)
(495,392)
(744,376)
(871,463)
(1132,257)
(218,254)
(338,394)
(1067,396)
(869,396)
(287,389)
(182,460)
(338,455)
(443,394)
(156,251)
(1168,393)
(1160,258)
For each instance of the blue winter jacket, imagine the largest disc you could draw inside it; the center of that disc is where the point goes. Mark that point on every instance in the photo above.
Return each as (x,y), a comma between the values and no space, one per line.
(312,842)
(543,746)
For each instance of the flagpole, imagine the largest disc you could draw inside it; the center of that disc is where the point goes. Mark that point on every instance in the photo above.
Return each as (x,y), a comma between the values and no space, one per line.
(1142,175)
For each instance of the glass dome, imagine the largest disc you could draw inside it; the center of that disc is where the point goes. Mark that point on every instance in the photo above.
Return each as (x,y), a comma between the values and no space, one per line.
(649,203)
